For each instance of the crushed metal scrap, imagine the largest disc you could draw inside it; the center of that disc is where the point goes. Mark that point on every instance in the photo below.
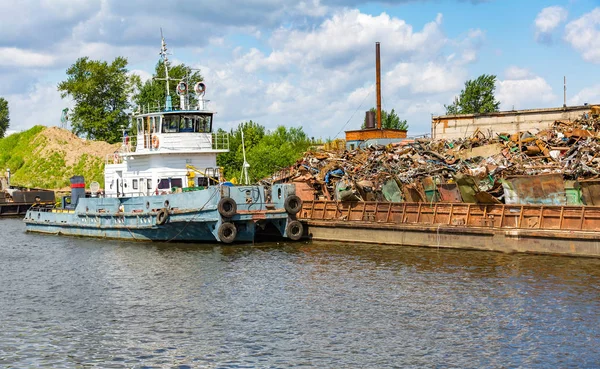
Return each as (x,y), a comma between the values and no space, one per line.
(556,166)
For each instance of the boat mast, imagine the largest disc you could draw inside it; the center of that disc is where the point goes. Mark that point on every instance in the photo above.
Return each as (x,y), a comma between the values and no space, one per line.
(245,165)
(165,59)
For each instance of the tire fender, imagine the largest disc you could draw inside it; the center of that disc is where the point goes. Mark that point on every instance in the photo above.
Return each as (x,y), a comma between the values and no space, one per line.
(227,232)
(227,207)
(292,204)
(294,230)
(162,216)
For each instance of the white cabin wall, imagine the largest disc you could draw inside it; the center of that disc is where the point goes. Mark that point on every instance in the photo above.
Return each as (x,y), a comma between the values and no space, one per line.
(153,168)
(110,176)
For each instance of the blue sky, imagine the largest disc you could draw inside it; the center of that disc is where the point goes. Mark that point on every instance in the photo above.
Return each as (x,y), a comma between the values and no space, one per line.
(310,63)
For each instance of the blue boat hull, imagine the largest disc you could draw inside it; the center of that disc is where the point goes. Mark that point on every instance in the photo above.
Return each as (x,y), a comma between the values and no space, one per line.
(182,217)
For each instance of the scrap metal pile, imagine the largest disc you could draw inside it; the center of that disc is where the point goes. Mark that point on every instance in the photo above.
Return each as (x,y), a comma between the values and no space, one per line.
(474,169)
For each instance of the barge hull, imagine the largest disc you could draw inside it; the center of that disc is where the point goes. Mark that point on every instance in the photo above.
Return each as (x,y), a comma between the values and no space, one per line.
(557,230)
(509,241)
(181,232)
(11,209)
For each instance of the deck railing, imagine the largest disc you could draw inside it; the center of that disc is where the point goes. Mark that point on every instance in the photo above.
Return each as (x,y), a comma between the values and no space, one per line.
(220,141)
(579,218)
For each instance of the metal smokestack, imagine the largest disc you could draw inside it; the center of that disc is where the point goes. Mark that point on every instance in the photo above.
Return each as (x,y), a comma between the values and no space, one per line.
(378,81)
(370,120)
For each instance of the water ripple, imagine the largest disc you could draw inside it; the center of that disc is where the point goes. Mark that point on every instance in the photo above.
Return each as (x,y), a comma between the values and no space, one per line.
(81,303)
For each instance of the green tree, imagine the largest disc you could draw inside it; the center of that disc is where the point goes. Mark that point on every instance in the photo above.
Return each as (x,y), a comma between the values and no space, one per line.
(278,149)
(266,151)
(152,93)
(100,91)
(476,98)
(389,120)
(4,118)
(232,161)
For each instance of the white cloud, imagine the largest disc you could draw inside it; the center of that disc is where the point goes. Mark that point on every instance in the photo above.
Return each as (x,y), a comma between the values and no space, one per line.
(322,77)
(144,76)
(315,75)
(523,90)
(590,95)
(469,46)
(312,8)
(514,72)
(584,35)
(41,105)
(13,57)
(427,78)
(546,22)
(33,23)
(349,36)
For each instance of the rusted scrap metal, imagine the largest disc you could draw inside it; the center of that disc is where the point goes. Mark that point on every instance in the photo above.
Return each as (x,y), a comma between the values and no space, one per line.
(477,169)
(590,191)
(545,189)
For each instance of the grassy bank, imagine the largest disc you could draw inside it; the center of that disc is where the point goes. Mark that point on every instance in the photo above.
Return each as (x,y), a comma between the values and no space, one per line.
(46,157)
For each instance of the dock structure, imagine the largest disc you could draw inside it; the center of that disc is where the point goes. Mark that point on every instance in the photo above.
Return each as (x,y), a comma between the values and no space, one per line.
(14,209)
(537,229)
(19,202)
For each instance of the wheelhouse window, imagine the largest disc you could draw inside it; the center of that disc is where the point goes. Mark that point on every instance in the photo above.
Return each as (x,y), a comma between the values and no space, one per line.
(197,123)
(171,124)
(204,123)
(155,124)
(134,184)
(187,124)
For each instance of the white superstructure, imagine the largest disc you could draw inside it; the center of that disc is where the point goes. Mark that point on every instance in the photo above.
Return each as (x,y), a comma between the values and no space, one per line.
(170,149)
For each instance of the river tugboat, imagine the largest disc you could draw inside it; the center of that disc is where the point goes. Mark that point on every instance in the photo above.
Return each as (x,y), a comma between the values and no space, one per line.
(164,185)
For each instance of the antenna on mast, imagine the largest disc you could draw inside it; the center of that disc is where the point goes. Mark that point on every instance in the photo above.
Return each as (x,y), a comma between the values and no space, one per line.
(164,56)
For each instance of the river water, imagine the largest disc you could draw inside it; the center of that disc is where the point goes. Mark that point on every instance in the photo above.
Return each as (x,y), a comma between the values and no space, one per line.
(77,303)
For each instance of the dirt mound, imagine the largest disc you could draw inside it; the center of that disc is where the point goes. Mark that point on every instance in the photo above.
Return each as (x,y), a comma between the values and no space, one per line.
(58,139)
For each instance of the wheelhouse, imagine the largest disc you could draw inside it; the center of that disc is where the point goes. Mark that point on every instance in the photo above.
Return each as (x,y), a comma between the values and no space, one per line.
(176,122)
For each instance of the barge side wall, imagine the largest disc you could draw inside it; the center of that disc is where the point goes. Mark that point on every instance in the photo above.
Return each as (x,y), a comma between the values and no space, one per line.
(586,244)
(540,229)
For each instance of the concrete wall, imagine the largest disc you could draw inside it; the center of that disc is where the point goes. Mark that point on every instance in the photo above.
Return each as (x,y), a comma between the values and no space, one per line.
(464,125)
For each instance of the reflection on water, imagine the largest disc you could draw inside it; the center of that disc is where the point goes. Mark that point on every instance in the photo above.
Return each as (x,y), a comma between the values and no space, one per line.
(71,302)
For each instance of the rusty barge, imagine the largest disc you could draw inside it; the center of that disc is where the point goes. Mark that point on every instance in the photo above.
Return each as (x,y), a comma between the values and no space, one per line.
(539,229)
(498,188)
